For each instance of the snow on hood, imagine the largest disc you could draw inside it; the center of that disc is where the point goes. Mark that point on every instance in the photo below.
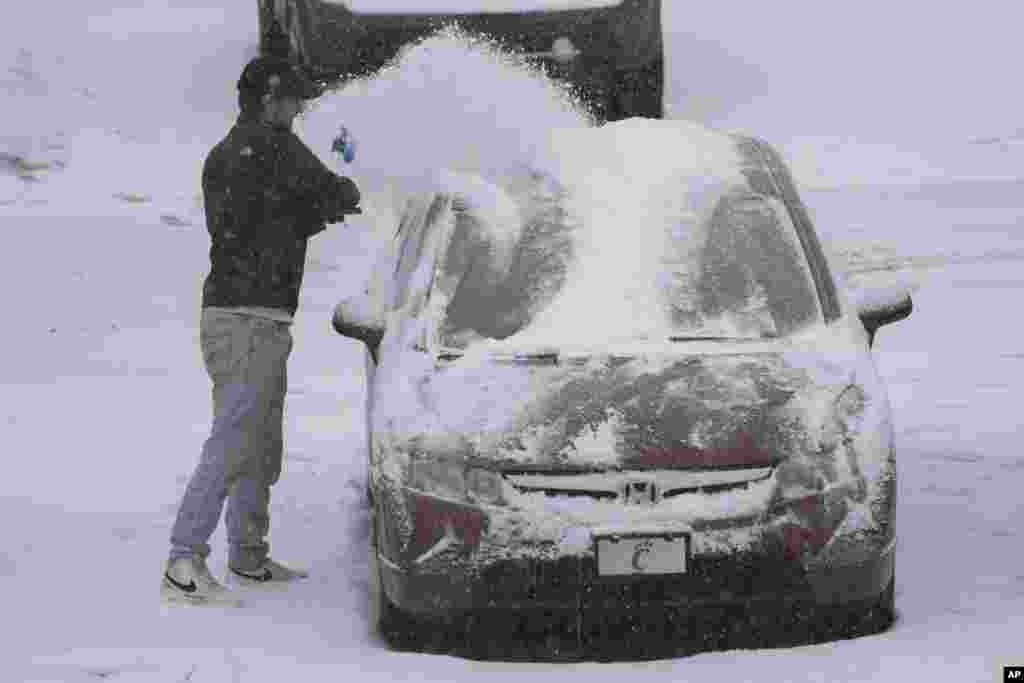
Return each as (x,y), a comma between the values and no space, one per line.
(671,409)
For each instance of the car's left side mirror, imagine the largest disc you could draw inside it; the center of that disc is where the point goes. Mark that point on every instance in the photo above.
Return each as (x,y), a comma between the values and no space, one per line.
(878,307)
(360,318)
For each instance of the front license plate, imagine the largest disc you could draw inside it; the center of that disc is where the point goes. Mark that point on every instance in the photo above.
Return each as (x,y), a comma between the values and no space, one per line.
(642,555)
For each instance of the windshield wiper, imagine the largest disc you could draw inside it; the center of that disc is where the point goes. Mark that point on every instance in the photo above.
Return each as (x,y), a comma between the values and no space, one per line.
(543,358)
(708,337)
(538,358)
(683,338)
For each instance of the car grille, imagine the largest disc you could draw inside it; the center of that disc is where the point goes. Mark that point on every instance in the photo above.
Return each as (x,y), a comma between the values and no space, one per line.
(650,486)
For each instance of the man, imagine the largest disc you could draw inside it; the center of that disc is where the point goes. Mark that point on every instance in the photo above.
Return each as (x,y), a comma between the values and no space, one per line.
(266,194)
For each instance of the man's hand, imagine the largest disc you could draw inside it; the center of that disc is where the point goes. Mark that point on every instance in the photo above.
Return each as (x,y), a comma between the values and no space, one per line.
(334,207)
(339,217)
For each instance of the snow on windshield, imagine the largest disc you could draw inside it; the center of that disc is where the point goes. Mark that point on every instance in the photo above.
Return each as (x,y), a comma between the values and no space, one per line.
(637,231)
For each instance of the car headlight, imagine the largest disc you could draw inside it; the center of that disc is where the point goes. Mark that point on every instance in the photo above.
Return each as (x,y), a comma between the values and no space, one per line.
(816,487)
(456,481)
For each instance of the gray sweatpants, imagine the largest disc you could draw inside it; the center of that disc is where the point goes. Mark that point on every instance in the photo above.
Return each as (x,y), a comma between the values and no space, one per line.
(246,358)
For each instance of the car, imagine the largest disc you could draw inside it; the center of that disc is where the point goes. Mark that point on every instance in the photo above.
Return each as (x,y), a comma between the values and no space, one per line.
(609,51)
(632,383)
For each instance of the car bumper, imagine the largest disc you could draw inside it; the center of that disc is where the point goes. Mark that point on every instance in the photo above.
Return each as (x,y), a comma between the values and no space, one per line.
(439,557)
(746,578)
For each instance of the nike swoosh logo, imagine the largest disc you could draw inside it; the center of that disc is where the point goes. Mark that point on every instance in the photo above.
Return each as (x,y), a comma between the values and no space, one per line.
(262,578)
(190,587)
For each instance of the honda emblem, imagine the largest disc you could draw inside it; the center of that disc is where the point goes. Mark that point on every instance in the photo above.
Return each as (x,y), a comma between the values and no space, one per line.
(640,492)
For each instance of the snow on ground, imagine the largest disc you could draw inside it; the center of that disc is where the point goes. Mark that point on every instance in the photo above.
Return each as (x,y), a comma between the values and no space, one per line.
(108,111)
(106,408)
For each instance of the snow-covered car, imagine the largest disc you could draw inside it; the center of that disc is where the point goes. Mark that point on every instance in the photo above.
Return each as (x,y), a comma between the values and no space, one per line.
(633,381)
(609,50)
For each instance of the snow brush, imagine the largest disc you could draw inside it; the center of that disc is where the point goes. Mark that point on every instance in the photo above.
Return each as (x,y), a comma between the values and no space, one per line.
(344,145)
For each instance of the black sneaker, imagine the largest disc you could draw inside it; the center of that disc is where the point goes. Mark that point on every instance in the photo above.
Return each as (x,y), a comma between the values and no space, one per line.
(268,572)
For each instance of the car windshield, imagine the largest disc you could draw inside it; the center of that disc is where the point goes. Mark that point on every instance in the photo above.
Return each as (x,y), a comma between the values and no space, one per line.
(690,256)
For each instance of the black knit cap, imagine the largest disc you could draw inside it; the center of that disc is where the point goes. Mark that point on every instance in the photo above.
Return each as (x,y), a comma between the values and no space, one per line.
(277,77)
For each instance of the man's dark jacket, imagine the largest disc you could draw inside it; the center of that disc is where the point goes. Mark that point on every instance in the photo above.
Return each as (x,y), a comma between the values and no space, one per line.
(266,193)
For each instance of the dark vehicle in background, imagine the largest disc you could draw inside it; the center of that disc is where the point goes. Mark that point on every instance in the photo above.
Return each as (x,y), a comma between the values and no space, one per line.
(610,51)
(662,411)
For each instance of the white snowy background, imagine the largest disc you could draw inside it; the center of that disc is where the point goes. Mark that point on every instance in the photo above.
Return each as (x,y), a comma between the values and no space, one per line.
(905,128)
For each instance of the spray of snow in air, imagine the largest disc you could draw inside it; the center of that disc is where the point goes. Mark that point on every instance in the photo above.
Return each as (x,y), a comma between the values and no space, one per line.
(437,106)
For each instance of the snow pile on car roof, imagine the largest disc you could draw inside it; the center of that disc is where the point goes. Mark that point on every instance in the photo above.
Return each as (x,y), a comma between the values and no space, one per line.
(636,190)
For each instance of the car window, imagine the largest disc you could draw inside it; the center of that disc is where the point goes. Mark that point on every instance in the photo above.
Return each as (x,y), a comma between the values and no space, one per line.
(414,236)
(745,275)
(492,297)
(766,160)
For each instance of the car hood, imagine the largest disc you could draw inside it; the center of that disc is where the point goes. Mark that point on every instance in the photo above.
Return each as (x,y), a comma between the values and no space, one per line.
(542,412)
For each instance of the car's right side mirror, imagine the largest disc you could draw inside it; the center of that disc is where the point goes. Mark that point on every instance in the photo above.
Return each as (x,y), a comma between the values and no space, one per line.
(877,307)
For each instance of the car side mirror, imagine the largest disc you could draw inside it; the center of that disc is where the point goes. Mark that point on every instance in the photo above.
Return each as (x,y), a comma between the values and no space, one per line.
(879,307)
(360,318)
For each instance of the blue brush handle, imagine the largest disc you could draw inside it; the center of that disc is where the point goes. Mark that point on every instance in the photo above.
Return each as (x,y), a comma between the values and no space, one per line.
(344,145)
